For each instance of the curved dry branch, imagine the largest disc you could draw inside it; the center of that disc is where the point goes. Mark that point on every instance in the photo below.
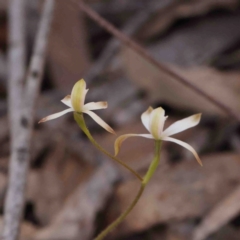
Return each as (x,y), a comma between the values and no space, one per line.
(142,52)
(20,152)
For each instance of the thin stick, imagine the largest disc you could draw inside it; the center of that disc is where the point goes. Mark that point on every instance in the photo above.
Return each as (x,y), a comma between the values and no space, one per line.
(132,26)
(142,52)
(113,45)
(20,153)
(16,61)
(16,72)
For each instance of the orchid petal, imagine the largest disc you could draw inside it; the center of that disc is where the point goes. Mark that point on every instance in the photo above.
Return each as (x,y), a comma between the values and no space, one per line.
(185,145)
(56,115)
(156,123)
(146,118)
(119,140)
(67,101)
(78,95)
(98,120)
(95,106)
(182,125)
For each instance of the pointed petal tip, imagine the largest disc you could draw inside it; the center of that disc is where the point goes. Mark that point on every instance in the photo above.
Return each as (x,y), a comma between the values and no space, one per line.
(198,159)
(67,101)
(82,80)
(78,95)
(197,117)
(145,117)
(117,144)
(107,127)
(81,83)
(42,120)
(148,111)
(156,123)
(105,104)
(150,108)
(112,131)
(102,105)
(68,97)
(160,108)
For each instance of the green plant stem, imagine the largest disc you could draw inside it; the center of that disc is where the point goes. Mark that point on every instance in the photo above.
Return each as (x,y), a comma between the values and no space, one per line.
(146,179)
(153,166)
(103,234)
(80,120)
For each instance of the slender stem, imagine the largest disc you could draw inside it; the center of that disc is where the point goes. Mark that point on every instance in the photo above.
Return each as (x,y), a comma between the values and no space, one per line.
(122,216)
(146,179)
(80,120)
(23,97)
(155,162)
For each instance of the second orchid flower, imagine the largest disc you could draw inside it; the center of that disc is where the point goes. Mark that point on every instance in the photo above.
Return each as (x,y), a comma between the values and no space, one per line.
(153,120)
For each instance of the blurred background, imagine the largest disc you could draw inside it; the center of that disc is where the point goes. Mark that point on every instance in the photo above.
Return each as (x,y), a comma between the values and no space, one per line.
(73,190)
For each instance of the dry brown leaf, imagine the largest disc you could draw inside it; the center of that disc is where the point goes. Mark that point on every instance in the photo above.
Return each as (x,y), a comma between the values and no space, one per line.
(162,88)
(76,218)
(189,46)
(220,215)
(177,193)
(49,186)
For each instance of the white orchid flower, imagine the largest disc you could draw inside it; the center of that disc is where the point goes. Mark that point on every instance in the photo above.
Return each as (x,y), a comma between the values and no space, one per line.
(153,120)
(75,102)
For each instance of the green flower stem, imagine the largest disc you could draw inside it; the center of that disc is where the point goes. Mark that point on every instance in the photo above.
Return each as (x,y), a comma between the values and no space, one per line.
(80,120)
(103,234)
(155,162)
(146,179)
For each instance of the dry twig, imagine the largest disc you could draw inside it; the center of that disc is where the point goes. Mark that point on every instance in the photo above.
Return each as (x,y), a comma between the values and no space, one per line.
(22,126)
(113,45)
(16,71)
(16,62)
(142,52)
